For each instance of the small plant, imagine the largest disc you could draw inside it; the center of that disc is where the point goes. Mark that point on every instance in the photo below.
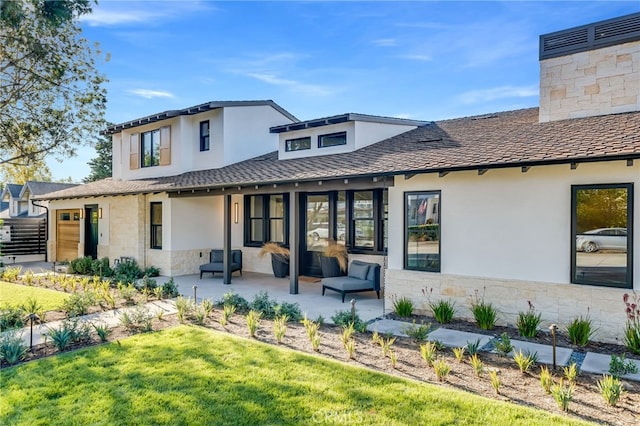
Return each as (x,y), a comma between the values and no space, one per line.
(503,346)
(546,379)
(160,314)
(375,338)
(170,289)
(580,330)
(280,327)
(344,318)
(495,381)
(127,292)
(315,342)
(12,347)
(347,335)
(253,322)
(11,317)
(632,328)
(620,366)
(61,337)
(261,303)
(459,354)
(528,322)
(11,273)
(28,278)
(102,330)
(393,357)
(199,315)
(403,307)
(563,394)
(571,372)
(386,344)
(240,303)
(291,310)
(350,346)
(78,304)
(428,352)
(525,360)
(207,307)
(157,292)
(477,364)
(227,312)
(611,389)
(442,369)
(484,313)
(136,320)
(443,310)
(183,306)
(311,327)
(473,347)
(418,333)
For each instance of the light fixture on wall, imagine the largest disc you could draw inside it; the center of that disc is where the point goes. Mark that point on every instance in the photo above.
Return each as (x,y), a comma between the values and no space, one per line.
(236,213)
(81,213)
(100,213)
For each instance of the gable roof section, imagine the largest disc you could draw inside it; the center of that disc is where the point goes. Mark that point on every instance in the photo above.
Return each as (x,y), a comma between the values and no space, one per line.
(343,118)
(117,128)
(41,188)
(505,139)
(12,189)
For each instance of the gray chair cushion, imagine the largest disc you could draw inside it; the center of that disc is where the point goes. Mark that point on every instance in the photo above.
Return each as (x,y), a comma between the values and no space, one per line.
(217,256)
(358,270)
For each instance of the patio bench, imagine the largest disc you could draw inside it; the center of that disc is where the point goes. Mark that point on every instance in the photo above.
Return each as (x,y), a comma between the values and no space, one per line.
(216,262)
(363,276)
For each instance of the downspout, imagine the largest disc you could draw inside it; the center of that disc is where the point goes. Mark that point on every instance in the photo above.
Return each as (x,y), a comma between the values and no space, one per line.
(46,229)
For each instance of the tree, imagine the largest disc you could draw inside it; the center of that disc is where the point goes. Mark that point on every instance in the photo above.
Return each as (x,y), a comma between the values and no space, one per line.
(36,170)
(101,165)
(52,97)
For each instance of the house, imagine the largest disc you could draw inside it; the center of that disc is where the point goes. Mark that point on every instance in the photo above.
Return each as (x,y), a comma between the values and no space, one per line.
(529,205)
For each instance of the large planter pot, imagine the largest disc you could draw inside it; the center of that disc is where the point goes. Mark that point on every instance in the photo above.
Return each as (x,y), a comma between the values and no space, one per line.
(330,267)
(280,266)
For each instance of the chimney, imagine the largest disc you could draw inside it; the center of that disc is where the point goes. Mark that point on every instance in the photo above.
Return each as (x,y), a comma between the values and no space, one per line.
(591,70)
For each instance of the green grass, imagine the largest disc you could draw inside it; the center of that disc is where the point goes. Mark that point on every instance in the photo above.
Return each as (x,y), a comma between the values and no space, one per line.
(187,375)
(16,294)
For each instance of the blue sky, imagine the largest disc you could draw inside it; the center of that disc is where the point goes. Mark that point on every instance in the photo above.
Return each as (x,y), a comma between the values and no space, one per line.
(421,59)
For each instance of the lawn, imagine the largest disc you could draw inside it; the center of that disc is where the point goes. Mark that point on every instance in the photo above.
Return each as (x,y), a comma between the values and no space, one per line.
(188,375)
(16,294)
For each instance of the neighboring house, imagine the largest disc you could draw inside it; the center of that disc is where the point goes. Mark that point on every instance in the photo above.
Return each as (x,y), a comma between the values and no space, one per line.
(501,206)
(11,196)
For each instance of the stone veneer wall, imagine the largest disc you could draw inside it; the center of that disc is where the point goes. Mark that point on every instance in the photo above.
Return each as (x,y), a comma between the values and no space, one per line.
(597,82)
(558,303)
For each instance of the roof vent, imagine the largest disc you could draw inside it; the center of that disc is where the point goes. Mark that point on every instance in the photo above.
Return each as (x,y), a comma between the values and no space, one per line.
(589,37)
(484,117)
(429,140)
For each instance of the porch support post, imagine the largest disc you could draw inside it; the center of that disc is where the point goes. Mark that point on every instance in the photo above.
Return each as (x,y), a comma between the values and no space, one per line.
(226,241)
(294,241)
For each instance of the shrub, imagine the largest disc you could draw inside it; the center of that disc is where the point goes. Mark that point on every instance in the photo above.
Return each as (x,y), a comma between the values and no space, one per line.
(632,328)
(70,331)
(419,333)
(290,310)
(563,394)
(227,312)
(170,289)
(443,310)
(495,381)
(428,353)
(81,266)
(477,364)
(127,292)
(546,379)
(347,335)
(459,354)
(403,307)
(393,357)
(280,327)
(344,318)
(473,347)
(127,271)
(528,322)
(101,268)
(620,366)
(386,344)
(78,304)
(184,308)
(12,348)
(151,271)
(137,319)
(525,360)
(484,313)
(11,317)
(571,372)
(146,283)
(11,273)
(261,303)
(580,330)
(350,347)
(240,304)
(253,322)
(503,346)
(611,389)
(442,369)
(102,330)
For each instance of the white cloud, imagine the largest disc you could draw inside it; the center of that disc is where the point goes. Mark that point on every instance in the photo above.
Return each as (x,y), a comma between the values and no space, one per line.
(416,57)
(310,89)
(111,13)
(503,92)
(150,94)
(101,17)
(385,42)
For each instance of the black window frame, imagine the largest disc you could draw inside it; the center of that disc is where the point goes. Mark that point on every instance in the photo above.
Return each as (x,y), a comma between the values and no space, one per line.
(151,148)
(406,265)
(205,138)
(266,219)
(287,144)
(574,279)
(155,227)
(321,137)
(379,225)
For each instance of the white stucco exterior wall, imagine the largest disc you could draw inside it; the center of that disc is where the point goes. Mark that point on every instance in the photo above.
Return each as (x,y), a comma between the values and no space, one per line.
(509,232)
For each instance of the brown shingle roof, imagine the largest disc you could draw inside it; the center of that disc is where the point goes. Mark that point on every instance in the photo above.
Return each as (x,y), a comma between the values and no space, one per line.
(505,139)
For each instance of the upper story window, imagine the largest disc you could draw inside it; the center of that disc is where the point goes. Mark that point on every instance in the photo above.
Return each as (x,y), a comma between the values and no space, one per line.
(333,139)
(204,135)
(298,144)
(422,231)
(601,235)
(150,148)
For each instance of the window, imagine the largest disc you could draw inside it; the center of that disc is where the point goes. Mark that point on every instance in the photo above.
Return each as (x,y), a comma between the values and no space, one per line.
(363,219)
(298,144)
(156,225)
(422,231)
(266,219)
(333,139)
(204,135)
(601,235)
(150,148)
